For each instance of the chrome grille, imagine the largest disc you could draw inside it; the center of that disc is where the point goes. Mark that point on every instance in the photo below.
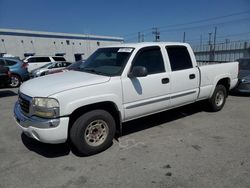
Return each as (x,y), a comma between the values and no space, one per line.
(24,104)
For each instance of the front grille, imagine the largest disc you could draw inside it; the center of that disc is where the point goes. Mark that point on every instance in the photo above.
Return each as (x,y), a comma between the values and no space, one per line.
(24,104)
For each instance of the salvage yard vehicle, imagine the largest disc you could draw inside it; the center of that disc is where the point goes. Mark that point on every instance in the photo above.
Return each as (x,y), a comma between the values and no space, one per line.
(18,70)
(4,75)
(243,85)
(73,66)
(117,84)
(39,61)
(50,67)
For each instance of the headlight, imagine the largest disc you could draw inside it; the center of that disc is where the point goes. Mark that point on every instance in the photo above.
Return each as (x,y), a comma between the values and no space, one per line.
(45,107)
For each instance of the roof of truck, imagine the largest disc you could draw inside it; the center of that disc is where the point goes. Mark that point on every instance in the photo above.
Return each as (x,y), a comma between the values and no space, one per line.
(144,44)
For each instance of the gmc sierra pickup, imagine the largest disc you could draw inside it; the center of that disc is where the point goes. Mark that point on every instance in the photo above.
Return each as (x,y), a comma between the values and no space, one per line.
(114,85)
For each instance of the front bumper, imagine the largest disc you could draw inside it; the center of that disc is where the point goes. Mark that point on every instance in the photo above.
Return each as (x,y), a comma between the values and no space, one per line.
(51,131)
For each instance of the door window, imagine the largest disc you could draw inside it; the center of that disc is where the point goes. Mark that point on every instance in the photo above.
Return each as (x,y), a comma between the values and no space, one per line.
(151,58)
(179,58)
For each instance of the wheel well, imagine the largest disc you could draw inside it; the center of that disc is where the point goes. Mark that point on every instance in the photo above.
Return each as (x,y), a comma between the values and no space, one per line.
(108,106)
(17,75)
(225,82)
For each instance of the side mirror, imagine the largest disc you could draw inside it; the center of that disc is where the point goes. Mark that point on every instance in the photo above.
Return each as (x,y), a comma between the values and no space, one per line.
(138,71)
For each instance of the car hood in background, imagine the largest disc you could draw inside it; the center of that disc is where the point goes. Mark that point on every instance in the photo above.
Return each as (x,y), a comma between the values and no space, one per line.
(55,83)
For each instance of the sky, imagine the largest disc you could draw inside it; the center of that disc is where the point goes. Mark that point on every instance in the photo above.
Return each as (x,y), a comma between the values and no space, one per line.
(197,18)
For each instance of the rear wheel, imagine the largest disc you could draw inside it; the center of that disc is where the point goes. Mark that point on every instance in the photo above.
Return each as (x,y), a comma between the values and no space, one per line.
(218,99)
(93,132)
(15,81)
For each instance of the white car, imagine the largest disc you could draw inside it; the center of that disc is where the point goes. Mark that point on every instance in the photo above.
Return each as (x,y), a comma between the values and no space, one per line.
(114,85)
(48,68)
(39,61)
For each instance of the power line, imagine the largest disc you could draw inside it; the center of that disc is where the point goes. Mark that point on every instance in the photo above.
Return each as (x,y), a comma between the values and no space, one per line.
(193,22)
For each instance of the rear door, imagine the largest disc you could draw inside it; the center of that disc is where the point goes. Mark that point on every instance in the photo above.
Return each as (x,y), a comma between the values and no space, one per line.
(145,95)
(184,77)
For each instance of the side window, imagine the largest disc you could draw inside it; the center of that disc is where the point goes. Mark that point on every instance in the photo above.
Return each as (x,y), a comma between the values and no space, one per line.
(151,58)
(31,60)
(179,58)
(2,62)
(59,58)
(10,63)
(42,59)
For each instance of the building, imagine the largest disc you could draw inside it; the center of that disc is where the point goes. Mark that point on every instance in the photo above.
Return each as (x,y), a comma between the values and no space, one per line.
(73,47)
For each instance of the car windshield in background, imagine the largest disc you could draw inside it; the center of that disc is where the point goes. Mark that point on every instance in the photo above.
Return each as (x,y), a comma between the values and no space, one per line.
(76,65)
(107,61)
(244,64)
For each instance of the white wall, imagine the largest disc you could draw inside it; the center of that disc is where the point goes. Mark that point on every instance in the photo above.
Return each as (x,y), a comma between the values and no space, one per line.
(49,46)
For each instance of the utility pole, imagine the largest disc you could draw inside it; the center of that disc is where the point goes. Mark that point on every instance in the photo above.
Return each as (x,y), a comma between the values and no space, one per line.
(184,36)
(142,37)
(139,36)
(156,32)
(215,33)
(209,41)
(210,46)
(200,42)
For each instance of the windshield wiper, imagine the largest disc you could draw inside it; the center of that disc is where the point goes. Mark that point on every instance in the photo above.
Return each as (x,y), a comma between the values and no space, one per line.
(92,70)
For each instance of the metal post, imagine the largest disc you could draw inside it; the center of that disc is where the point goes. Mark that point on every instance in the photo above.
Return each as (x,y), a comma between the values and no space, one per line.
(184,36)
(156,33)
(215,33)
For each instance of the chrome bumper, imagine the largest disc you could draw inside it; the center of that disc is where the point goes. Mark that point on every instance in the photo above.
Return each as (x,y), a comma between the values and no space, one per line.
(51,131)
(34,121)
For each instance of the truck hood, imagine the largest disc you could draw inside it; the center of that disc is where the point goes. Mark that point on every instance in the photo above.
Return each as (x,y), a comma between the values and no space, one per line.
(55,83)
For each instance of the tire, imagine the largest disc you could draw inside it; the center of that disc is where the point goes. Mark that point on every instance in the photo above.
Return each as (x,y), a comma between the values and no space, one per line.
(218,99)
(15,81)
(93,132)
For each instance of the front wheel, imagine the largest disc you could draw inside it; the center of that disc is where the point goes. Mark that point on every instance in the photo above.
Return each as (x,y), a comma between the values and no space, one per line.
(93,132)
(15,81)
(218,99)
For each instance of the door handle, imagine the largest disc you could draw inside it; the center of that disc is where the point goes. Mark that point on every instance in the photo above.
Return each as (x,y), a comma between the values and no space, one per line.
(192,76)
(165,80)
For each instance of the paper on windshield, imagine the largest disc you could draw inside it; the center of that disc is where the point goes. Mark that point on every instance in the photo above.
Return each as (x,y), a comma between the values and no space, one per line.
(126,50)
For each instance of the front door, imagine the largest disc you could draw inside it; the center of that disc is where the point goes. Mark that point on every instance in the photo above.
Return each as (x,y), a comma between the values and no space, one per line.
(145,95)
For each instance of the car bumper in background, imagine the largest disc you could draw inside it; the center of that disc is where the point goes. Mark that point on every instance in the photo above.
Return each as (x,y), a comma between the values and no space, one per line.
(242,87)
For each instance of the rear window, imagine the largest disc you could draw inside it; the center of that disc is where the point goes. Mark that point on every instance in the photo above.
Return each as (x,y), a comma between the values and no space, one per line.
(59,58)
(38,59)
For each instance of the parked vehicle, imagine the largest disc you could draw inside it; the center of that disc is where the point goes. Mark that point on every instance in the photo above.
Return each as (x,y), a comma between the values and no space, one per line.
(117,84)
(243,85)
(73,66)
(4,75)
(39,61)
(18,69)
(50,67)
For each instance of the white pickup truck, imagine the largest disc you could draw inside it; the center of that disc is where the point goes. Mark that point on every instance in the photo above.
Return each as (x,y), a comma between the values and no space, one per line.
(114,85)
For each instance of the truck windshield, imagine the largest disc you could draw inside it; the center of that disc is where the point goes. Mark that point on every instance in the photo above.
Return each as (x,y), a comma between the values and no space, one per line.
(107,61)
